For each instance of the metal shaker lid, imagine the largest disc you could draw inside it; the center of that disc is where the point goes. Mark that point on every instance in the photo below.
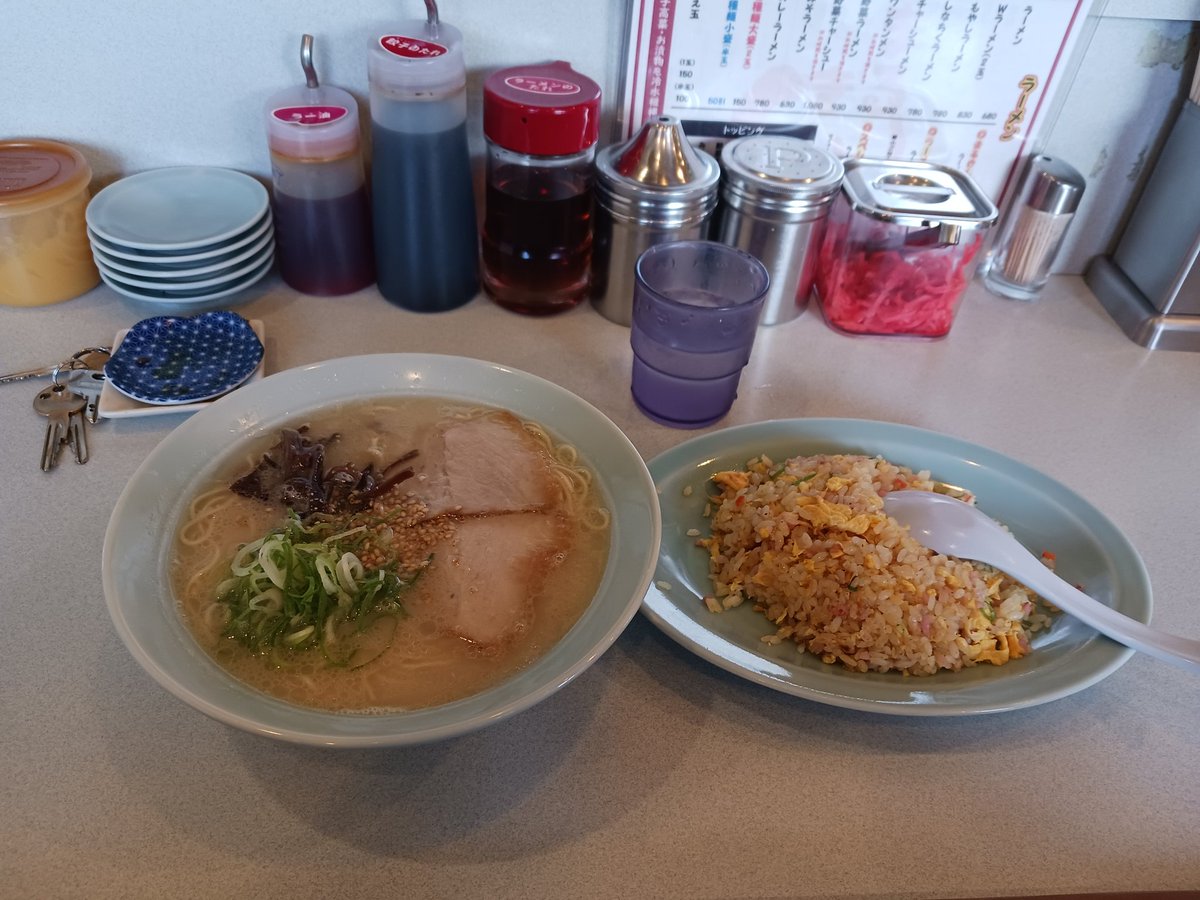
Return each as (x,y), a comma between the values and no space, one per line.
(657,177)
(916,194)
(772,172)
(1054,186)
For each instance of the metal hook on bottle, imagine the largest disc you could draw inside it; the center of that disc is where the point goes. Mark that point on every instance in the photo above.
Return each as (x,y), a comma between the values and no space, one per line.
(306,61)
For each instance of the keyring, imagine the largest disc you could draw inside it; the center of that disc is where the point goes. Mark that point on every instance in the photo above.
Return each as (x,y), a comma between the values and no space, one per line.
(75,363)
(71,365)
(107,351)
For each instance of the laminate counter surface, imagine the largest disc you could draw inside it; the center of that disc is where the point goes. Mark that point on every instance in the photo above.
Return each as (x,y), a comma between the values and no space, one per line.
(654,774)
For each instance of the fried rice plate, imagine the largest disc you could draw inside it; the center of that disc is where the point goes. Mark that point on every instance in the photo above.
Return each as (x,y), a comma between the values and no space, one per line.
(807,541)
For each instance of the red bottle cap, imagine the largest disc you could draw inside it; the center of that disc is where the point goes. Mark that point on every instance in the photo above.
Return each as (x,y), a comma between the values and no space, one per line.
(543,110)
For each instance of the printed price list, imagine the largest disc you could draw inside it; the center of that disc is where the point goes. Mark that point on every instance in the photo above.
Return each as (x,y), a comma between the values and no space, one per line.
(955,82)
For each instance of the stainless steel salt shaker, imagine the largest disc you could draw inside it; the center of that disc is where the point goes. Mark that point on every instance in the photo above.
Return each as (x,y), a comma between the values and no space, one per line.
(654,188)
(776,196)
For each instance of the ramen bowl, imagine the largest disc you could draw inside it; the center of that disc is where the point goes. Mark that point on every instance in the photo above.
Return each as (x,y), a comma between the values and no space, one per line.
(139,543)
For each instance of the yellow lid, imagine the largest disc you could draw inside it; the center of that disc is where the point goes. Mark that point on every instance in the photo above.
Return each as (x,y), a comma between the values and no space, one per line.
(39,173)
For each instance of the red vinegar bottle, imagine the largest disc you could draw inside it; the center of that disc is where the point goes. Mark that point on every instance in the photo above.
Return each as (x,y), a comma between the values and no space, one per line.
(541,125)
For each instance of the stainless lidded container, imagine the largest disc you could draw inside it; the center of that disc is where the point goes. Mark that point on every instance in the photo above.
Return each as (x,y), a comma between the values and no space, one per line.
(655,187)
(777,194)
(901,244)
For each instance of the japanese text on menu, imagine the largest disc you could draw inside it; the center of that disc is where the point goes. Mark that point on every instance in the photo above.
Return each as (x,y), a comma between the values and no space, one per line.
(955,82)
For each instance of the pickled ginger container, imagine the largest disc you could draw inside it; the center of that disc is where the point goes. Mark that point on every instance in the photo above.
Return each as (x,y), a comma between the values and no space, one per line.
(45,256)
(901,245)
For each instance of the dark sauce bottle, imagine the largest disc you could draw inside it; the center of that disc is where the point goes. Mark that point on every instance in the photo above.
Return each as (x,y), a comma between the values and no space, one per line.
(423,202)
(537,239)
(541,125)
(321,210)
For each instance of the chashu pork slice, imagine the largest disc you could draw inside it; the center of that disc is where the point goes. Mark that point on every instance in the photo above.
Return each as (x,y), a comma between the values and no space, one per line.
(483,580)
(484,466)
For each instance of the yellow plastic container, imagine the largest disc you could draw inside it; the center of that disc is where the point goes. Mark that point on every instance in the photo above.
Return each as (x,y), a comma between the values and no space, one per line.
(45,256)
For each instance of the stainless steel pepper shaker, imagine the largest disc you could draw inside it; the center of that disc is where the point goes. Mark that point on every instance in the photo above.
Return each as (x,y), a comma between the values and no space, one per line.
(654,188)
(776,196)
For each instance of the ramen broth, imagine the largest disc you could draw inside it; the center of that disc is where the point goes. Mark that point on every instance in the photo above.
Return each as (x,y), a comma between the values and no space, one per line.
(428,660)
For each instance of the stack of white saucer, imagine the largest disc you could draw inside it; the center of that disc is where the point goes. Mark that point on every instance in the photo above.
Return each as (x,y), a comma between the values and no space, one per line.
(183,236)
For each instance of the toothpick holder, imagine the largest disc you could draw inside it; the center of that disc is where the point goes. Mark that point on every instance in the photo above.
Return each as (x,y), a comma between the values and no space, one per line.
(1033,231)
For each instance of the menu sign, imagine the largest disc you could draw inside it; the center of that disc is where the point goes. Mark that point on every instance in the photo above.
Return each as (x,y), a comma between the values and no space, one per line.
(956,82)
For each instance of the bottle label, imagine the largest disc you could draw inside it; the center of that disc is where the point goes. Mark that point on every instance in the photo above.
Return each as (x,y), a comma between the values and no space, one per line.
(537,84)
(309,115)
(411,47)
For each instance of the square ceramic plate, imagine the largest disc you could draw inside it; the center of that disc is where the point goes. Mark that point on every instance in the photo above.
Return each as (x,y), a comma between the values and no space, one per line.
(115,405)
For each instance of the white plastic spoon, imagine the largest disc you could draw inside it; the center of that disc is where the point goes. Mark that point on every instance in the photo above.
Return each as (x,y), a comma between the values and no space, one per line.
(952,527)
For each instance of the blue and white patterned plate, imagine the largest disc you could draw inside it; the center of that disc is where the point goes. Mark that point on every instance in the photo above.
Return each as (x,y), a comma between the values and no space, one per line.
(180,359)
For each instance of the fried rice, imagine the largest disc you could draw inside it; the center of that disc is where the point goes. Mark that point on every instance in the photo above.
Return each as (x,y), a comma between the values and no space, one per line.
(808,543)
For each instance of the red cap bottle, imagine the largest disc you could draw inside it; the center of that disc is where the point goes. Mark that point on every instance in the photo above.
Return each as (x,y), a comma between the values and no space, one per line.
(542,110)
(541,123)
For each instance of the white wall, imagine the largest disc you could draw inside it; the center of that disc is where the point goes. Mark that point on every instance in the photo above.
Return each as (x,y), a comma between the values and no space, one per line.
(147,83)
(1133,75)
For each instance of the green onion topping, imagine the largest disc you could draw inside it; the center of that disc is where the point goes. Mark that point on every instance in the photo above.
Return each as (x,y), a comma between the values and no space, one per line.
(296,590)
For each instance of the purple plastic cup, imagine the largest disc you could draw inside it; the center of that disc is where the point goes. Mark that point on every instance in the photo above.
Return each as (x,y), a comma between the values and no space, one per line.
(696,306)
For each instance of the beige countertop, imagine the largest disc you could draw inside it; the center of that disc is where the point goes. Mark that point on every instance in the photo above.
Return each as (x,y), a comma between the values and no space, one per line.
(654,773)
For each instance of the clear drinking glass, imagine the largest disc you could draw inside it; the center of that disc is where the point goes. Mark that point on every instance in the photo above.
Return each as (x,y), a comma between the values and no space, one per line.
(696,308)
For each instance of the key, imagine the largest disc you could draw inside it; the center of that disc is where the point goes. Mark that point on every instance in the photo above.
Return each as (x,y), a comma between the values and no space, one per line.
(89,383)
(28,373)
(84,373)
(62,407)
(89,357)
